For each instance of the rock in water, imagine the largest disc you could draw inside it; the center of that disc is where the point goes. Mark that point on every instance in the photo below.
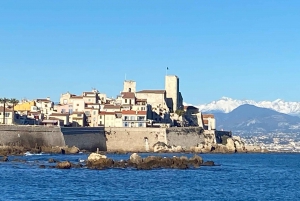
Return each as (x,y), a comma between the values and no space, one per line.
(95,157)
(64,165)
(135,158)
(196,160)
(208,163)
(4,159)
(51,160)
(73,150)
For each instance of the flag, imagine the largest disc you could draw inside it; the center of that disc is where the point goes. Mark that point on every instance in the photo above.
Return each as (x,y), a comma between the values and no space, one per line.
(167,68)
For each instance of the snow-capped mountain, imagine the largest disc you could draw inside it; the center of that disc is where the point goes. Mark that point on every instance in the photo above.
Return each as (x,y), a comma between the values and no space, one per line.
(226,105)
(251,119)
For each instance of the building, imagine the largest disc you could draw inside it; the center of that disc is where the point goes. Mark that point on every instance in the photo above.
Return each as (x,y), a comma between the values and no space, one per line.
(61,116)
(173,95)
(132,118)
(8,117)
(44,105)
(129,86)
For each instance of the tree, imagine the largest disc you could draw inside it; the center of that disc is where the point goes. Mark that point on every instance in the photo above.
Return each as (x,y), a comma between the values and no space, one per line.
(14,102)
(4,101)
(180,112)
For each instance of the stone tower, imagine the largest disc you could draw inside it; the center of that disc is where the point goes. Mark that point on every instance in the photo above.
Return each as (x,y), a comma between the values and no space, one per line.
(129,86)
(172,92)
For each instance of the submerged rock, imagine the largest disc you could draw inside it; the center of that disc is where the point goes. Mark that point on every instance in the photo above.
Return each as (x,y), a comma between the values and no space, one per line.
(4,159)
(51,160)
(64,165)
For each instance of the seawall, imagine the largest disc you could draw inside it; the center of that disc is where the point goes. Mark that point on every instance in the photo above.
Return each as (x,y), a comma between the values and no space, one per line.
(106,139)
(31,136)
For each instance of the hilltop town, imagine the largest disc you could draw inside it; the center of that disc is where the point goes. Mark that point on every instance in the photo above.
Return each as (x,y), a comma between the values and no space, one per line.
(131,108)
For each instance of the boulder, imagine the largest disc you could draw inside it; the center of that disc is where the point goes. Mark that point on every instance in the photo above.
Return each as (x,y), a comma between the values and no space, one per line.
(230,145)
(96,157)
(135,158)
(72,150)
(161,147)
(196,160)
(64,165)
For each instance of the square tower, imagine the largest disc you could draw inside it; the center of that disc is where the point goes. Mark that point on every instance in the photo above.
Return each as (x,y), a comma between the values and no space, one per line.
(129,86)
(172,92)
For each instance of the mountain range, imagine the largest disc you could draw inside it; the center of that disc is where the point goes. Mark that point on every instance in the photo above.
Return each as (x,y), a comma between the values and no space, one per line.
(226,105)
(251,117)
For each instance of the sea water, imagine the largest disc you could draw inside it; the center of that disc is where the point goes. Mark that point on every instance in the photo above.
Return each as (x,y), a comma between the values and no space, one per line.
(239,177)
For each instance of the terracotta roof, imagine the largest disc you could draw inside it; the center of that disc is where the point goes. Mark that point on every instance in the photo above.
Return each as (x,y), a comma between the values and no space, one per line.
(78,113)
(78,118)
(59,114)
(208,116)
(128,95)
(6,109)
(141,100)
(152,91)
(205,121)
(112,106)
(53,118)
(132,112)
(107,113)
(43,100)
(76,97)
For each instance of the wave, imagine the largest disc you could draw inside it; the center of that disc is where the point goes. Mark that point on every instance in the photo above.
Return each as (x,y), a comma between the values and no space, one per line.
(30,154)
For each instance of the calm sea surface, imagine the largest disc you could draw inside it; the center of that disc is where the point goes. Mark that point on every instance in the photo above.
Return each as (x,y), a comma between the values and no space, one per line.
(240,177)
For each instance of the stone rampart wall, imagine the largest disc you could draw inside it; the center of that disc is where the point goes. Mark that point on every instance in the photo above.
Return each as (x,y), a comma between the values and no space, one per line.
(106,139)
(133,139)
(31,136)
(188,137)
(88,138)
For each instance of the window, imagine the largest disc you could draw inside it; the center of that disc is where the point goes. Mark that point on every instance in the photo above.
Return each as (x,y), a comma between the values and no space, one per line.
(94,119)
(100,116)
(89,100)
(140,124)
(132,118)
(101,123)
(125,117)
(125,124)
(125,100)
(77,104)
(7,114)
(78,115)
(94,112)
(45,105)
(63,111)
(70,111)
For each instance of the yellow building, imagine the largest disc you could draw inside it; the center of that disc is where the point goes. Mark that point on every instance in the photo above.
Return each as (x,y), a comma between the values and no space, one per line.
(26,106)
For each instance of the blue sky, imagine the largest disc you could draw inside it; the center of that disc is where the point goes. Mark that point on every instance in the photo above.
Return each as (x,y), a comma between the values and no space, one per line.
(239,49)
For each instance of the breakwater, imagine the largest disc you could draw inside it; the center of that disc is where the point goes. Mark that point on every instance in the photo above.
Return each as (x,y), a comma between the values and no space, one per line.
(106,139)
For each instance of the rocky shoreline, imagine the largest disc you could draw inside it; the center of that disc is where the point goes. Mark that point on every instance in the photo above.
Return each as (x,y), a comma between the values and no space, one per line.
(98,161)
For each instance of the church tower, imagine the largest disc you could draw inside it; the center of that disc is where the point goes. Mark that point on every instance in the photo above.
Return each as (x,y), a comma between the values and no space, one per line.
(129,86)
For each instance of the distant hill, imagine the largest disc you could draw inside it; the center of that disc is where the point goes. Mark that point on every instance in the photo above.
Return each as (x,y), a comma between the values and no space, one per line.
(251,119)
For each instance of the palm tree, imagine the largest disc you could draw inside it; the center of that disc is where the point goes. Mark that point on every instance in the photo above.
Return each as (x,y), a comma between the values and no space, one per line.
(4,101)
(14,102)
